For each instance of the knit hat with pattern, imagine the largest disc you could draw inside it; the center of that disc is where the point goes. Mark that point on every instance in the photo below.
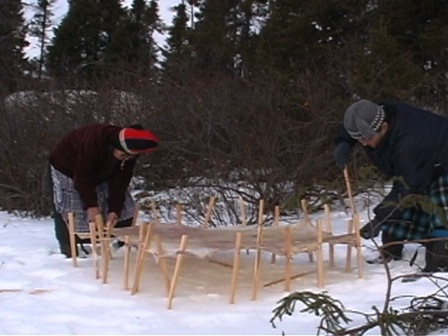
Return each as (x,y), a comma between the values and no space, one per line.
(363,119)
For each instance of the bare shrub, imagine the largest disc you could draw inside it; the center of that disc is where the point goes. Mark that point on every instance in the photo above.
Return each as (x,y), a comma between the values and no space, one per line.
(250,139)
(268,138)
(32,123)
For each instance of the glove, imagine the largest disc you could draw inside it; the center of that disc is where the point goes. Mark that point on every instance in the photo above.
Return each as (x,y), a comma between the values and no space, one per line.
(342,153)
(371,230)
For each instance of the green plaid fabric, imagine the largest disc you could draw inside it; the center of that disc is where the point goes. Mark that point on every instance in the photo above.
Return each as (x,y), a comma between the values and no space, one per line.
(416,223)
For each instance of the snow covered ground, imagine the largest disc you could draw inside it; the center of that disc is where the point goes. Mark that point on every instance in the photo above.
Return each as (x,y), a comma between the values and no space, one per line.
(42,293)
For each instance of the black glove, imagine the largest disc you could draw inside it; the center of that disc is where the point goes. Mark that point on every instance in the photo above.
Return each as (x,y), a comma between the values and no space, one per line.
(342,153)
(371,230)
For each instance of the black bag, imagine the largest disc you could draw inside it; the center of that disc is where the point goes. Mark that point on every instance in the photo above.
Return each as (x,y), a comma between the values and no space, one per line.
(436,256)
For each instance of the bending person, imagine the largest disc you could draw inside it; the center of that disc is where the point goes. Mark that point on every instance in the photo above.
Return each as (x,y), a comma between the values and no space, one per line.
(91,169)
(407,144)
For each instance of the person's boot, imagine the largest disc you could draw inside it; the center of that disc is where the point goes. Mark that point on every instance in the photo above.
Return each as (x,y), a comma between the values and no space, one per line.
(62,235)
(389,252)
(65,249)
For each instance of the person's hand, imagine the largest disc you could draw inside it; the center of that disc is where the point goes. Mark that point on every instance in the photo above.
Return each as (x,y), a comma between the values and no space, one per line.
(370,230)
(112,219)
(92,213)
(342,153)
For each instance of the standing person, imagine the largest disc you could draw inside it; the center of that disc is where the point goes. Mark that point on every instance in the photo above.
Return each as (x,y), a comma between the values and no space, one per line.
(91,169)
(407,144)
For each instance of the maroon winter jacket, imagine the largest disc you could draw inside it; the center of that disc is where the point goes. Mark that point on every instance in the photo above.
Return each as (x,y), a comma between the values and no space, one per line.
(86,156)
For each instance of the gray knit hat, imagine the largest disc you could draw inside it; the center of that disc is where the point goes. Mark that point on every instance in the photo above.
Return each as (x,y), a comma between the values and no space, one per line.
(363,119)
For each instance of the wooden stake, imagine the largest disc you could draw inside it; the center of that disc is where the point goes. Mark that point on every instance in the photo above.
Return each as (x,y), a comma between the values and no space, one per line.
(295,276)
(71,229)
(236,266)
(275,224)
(93,239)
(141,257)
(135,215)
(211,205)
(162,263)
(307,220)
(288,255)
(108,236)
(261,212)
(32,291)
(127,252)
(104,246)
(243,215)
(180,256)
(359,254)
(348,265)
(218,262)
(143,230)
(329,229)
(349,191)
(256,278)
(348,258)
(306,215)
(320,260)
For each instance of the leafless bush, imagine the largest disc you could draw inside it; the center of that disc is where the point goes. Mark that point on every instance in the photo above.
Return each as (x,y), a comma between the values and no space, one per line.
(252,139)
(270,138)
(32,123)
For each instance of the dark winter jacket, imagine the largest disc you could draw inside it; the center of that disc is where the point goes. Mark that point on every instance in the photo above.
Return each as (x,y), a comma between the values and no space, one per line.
(86,156)
(414,152)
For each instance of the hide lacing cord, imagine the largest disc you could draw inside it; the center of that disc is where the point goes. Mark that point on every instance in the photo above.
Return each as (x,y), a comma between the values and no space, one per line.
(83,248)
(412,261)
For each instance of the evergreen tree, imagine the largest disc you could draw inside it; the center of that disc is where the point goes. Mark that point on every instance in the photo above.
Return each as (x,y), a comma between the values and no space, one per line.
(134,45)
(40,26)
(249,16)
(12,37)
(213,40)
(81,42)
(421,31)
(178,54)
(193,4)
(146,22)
(298,32)
(284,35)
